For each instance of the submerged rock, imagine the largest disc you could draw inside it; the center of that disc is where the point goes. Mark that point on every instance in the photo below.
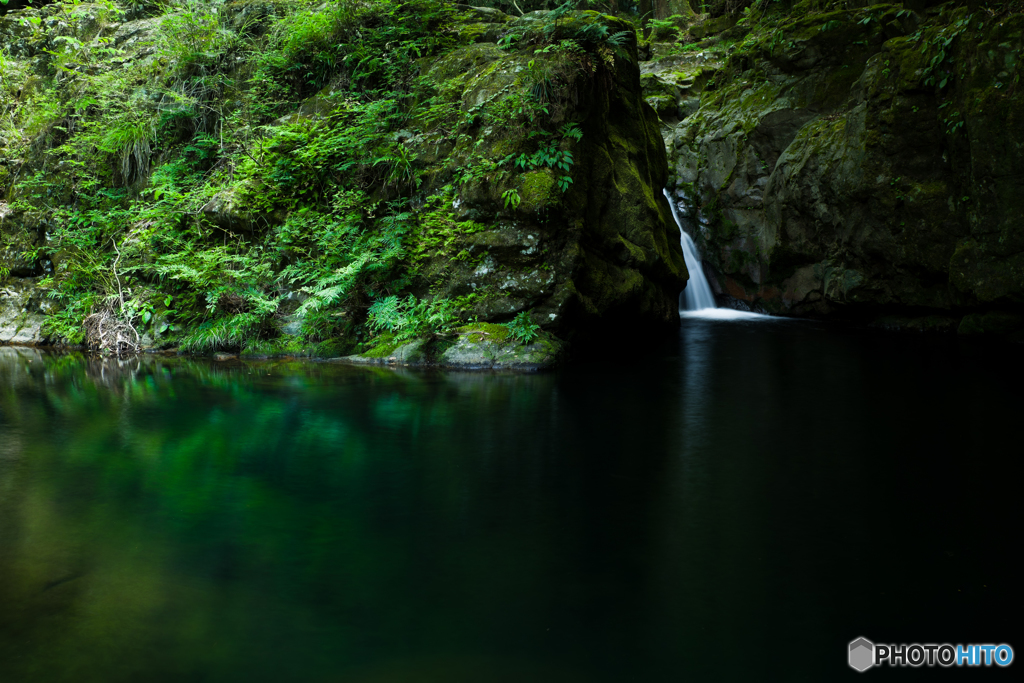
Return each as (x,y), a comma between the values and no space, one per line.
(993,322)
(929,323)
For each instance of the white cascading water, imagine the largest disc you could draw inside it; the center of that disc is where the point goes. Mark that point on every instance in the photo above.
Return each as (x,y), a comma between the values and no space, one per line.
(697,295)
(697,301)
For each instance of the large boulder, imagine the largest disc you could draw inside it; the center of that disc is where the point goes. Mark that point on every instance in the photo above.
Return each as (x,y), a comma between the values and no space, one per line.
(578,246)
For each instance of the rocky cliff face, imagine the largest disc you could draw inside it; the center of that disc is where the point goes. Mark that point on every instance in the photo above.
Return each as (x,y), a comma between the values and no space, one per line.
(856,162)
(527,166)
(248,189)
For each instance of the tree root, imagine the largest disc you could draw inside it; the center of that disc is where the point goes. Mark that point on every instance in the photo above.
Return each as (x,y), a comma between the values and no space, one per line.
(107,332)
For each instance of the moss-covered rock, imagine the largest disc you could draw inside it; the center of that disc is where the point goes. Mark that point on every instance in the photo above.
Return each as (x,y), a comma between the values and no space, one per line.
(929,323)
(526,177)
(478,346)
(487,354)
(576,242)
(857,159)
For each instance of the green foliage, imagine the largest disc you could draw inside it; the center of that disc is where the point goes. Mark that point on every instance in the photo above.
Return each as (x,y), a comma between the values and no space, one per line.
(131,143)
(511,198)
(939,70)
(231,331)
(196,131)
(548,155)
(192,38)
(221,170)
(437,235)
(410,317)
(952,121)
(523,329)
(666,28)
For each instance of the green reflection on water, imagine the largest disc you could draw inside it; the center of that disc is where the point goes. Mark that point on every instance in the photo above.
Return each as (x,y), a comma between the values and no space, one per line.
(162,519)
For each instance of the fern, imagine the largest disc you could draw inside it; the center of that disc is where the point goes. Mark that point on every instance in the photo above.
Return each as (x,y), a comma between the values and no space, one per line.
(410,317)
(618,39)
(522,328)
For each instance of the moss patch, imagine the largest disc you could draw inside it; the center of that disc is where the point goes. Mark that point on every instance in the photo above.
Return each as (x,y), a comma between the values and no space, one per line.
(537,190)
(386,344)
(488,331)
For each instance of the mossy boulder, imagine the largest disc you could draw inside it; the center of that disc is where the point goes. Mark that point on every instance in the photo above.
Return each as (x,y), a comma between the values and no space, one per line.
(580,242)
(926,324)
(709,27)
(474,351)
(478,346)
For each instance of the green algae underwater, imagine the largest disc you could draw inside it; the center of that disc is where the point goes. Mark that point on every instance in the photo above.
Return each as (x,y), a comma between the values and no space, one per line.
(672,514)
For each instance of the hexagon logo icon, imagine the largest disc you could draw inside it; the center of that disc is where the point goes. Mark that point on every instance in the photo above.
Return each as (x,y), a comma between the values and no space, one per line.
(862,654)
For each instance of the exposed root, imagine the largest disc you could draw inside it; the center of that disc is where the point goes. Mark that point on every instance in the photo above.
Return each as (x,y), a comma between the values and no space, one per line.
(232,303)
(106,332)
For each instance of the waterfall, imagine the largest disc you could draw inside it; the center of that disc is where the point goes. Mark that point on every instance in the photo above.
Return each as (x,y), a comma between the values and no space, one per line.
(697,295)
(697,301)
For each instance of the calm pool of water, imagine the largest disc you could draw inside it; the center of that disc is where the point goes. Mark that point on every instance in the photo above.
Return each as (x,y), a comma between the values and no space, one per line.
(737,503)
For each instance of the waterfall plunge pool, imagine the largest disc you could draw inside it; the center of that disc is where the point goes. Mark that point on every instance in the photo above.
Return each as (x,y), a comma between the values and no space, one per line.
(674,515)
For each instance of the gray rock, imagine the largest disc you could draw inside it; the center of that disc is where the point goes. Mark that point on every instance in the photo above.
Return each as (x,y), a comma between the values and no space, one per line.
(471,352)
(415,352)
(22,312)
(411,353)
(226,211)
(292,325)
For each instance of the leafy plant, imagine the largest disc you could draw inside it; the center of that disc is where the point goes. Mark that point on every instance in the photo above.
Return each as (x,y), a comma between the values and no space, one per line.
(410,317)
(523,329)
(248,165)
(511,198)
